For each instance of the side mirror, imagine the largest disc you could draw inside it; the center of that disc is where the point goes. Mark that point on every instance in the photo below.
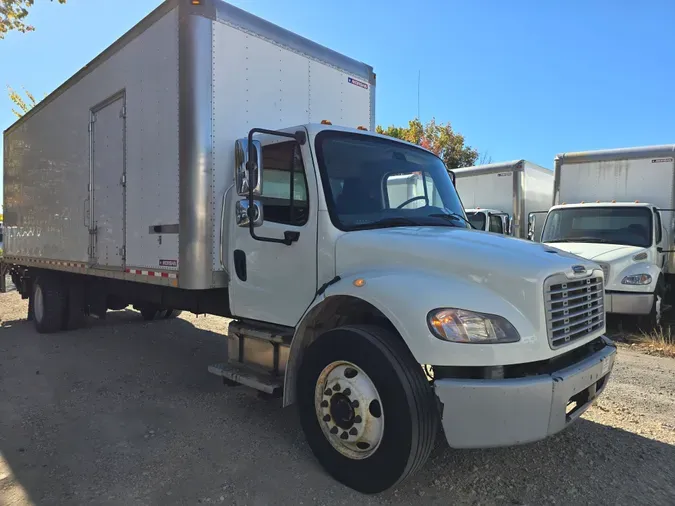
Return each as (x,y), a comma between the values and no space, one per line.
(505,219)
(245,214)
(244,180)
(452,177)
(506,222)
(531,224)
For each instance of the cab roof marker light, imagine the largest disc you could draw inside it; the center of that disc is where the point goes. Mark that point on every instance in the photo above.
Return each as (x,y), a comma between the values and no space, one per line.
(325,122)
(361,127)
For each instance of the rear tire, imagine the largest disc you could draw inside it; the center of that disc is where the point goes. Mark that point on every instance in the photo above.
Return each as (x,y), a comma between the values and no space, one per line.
(172,313)
(406,428)
(49,304)
(149,313)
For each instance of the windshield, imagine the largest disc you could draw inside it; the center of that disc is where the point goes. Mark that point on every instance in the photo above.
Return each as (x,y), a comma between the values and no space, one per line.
(372,182)
(477,220)
(631,226)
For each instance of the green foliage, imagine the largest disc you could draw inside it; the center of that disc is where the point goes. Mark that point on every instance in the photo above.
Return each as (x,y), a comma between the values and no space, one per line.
(438,138)
(13,15)
(24,105)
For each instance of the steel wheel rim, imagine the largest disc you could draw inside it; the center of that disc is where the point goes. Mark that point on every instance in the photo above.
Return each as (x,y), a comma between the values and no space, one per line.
(349,410)
(38,304)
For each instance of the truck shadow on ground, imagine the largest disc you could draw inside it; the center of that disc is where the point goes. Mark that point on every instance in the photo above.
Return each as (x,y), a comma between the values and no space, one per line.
(124,412)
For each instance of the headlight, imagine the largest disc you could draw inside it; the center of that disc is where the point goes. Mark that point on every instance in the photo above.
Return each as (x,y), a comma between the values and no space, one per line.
(461,326)
(637,279)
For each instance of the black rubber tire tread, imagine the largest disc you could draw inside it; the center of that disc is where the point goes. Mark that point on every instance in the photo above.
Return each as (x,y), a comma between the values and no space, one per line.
(55,304)
(149,313)
(648,323)
(74,314)
(172,313)
(419,396)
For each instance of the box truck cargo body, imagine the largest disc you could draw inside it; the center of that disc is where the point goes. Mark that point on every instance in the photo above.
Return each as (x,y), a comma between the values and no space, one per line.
(210,161)
(498,197)
(131,149)
(616,208)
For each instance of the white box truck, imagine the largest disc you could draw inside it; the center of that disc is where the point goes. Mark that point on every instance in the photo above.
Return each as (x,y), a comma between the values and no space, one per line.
(499,197)
(193,166)
(615,207)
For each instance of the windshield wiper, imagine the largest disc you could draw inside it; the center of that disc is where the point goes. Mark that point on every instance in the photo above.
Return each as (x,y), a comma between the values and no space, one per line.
(452,217)
(581,239)
(395,221)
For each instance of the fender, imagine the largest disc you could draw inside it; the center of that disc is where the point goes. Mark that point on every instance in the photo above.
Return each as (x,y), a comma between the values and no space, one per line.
(405,297)
(637,268)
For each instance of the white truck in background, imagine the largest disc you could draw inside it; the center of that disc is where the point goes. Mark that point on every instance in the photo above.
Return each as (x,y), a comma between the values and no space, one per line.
(615,207)
(193,166)
(499,197)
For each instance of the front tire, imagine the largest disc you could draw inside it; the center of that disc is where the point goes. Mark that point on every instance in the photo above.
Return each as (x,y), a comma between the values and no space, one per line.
(367,410)
(652,321)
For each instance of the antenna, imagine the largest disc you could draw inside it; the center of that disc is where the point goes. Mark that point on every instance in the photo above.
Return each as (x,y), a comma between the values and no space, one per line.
(419,78)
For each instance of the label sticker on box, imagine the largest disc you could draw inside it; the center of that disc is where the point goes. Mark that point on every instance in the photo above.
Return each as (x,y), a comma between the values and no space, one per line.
(358,83)
(168,263)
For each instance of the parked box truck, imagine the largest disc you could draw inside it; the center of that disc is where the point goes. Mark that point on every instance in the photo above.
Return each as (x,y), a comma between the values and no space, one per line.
(194,166)
(499,196)
(615,207)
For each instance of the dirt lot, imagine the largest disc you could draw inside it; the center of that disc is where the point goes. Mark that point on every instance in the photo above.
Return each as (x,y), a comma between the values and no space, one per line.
(124,412)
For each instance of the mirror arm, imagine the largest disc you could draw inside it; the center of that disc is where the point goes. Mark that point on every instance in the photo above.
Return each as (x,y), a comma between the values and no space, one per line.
(300,137)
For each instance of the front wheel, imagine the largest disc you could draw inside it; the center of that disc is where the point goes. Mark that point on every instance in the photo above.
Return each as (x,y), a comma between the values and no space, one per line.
(367,410)
(652,321)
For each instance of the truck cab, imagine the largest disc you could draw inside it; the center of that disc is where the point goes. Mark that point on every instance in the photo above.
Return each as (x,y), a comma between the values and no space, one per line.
(358,285)
(627,240)
(489,220)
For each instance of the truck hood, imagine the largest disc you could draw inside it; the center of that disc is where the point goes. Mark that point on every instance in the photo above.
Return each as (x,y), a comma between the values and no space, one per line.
(512,270)
(596,251)
(461,251)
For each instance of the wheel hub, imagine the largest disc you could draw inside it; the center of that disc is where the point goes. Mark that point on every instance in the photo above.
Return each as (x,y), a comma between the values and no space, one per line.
(341,411)
(349,410)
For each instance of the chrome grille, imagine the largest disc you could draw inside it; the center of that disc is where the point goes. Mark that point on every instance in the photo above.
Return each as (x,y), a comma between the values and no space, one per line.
(575,308)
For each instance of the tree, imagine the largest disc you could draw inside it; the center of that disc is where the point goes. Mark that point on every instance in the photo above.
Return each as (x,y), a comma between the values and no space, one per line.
(13,14)
(24,105)
(437,138)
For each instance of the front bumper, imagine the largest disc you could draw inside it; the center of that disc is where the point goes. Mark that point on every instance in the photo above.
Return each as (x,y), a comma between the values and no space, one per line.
(488,413)
(629,302)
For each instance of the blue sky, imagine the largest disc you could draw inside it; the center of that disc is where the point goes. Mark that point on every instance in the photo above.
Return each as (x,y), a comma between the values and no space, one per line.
(519,78)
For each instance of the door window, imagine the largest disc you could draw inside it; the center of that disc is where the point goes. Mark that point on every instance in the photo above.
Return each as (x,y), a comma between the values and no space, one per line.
(284,198)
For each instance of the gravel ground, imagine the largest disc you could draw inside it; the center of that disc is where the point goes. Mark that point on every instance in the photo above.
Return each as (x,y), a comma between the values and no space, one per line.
(124,412)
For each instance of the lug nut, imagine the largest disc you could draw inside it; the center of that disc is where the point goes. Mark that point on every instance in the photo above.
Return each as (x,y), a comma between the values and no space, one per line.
(337,387)
(355,404)
(353,431)
(328,392)
(357,419)
(334,430)
(324,404)
(326,418)
(344,435)
(347,392)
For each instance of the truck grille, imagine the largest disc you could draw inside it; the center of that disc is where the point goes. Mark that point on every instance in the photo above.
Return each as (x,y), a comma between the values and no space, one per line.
(574,308)
(605,271)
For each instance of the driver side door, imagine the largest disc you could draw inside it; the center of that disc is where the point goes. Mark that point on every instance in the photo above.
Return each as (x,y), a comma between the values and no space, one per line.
(269,281)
